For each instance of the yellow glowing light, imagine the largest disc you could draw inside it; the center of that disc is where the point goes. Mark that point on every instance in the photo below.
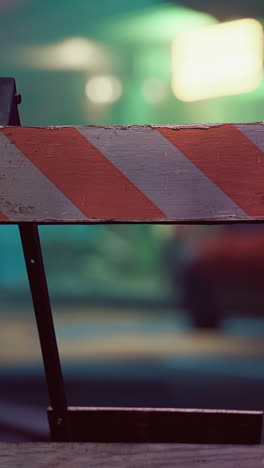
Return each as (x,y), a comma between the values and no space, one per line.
(74,53)
(103,89)
(154,90)
(218,60)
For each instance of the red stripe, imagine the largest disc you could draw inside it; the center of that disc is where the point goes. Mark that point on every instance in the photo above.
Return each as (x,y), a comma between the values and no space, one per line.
(82,173)
(229,159)
(3,217)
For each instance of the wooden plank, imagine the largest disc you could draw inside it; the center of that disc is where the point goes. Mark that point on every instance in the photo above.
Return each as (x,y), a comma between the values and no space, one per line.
(155,425)
(73,455)
(163,174)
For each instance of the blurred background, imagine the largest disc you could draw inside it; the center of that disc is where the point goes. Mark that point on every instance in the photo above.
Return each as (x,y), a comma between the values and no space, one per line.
(145,315)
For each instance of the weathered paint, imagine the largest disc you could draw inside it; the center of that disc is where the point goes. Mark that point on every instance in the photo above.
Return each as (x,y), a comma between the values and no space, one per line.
(160,170)
(204,173)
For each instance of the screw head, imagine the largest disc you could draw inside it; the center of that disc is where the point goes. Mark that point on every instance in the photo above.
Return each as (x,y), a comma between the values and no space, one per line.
(18,98)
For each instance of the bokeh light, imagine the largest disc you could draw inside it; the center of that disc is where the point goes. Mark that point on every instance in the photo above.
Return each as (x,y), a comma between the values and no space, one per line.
(73,53)
(218,60)
(154,90)
(103,89)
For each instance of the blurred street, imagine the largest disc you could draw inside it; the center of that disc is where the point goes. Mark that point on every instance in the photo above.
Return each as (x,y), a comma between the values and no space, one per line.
(99,335)
(131,358)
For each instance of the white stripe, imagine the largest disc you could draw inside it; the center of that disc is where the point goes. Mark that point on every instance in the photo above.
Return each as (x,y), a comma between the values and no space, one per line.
(26,193)
(254,132)
(162,172)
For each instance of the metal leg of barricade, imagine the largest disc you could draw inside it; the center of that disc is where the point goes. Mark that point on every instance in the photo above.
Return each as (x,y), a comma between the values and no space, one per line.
(41,301)
(9,115)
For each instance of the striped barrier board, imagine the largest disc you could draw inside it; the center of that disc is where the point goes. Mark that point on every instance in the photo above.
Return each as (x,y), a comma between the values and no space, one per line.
(87,174)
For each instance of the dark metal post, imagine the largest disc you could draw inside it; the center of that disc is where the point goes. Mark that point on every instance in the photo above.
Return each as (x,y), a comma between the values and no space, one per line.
(9,100)
(40,296)
(9,115)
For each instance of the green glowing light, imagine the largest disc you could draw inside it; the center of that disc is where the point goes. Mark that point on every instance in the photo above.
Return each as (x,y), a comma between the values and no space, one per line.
(158,23)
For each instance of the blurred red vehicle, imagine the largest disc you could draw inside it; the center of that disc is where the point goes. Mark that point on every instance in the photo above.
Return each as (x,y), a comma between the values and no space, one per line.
(224,274)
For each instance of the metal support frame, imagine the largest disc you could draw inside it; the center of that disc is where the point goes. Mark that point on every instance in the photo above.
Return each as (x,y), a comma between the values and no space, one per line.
(41,301)
(29,234)
(9,99)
